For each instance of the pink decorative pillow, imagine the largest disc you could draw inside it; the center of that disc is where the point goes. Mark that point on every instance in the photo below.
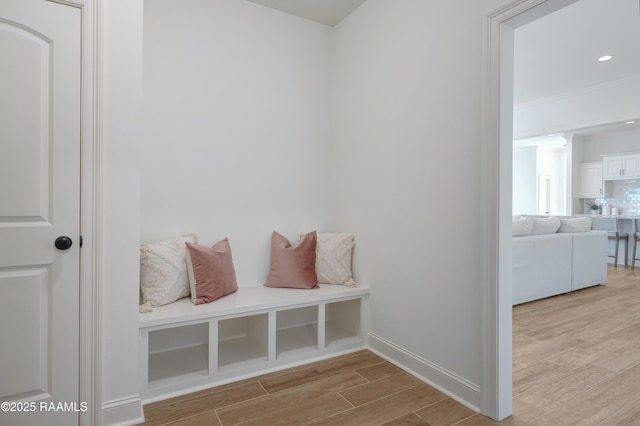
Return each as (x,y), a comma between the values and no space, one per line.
(211,271)
(293,266)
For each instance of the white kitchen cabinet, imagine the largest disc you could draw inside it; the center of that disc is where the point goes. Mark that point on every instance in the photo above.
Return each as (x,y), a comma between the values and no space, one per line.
(591,183)
(621,166)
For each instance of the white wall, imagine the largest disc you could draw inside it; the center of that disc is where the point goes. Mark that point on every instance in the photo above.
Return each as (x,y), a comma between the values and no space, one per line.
(621,142)
(613,102)
(552,162)
(121,96)
(407,175)
(525,181)
(237,126)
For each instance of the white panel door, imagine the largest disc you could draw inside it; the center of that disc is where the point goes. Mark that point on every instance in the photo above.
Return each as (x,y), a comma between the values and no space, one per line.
(40,48)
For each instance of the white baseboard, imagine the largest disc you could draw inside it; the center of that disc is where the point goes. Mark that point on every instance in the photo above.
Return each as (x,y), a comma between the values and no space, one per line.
(128,411)
(122,412)
(450,384)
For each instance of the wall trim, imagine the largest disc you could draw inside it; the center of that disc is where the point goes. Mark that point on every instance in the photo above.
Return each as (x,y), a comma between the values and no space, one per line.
(452,385)
(123,411)
(496,172)
(90,217)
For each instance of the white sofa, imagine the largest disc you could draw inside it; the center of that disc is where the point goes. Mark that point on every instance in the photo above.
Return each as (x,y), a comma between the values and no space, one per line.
(553,256)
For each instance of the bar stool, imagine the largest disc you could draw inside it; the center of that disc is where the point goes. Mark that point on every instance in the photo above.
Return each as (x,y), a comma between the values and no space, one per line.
(610,225)
(636,240)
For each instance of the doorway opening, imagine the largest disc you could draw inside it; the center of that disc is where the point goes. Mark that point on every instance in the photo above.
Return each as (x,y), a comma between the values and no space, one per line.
(500,132)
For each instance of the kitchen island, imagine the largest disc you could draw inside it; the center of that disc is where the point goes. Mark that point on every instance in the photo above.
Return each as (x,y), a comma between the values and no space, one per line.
(625,225)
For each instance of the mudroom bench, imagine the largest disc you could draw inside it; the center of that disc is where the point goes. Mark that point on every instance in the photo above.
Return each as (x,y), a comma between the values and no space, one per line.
(186,347)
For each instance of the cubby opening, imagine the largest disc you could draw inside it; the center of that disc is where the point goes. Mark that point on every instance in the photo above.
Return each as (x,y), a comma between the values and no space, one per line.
(342,322)
(243,341)
(296,331)
(178,353)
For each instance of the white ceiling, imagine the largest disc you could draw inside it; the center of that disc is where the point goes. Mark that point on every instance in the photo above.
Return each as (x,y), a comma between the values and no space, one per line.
(328,12)
(558,52)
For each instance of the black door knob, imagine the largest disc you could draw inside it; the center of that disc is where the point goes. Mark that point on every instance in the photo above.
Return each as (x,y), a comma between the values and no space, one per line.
(63,243)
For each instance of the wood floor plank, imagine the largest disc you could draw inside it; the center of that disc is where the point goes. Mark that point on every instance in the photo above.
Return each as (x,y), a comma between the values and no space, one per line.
(204,419)
(311,410)
(591,351)
(536,375)
(166,412)
(629,415)
(550,396)
(574,413)
(380,388)
(545,349)
(292,399)
(524,413)
(378,371)
(480,420)
(444,413)
(568,327)
(407,420)
(619,359)
(386,409)
(618,391)
(319,371)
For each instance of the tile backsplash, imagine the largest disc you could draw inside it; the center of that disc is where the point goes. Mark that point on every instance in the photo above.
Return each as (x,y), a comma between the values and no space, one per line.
(624,194)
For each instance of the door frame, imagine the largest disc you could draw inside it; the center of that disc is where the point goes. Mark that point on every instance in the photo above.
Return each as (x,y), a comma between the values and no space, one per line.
(90,216)
(497,151)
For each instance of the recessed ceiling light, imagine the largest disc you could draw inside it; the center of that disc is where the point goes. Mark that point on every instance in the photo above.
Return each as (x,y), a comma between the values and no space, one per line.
(630,122)
(605,58)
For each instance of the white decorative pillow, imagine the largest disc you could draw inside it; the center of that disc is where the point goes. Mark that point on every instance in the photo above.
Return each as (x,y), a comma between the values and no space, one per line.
(546,225)
(522,227)
(163,272)
(333,258)
(578,224)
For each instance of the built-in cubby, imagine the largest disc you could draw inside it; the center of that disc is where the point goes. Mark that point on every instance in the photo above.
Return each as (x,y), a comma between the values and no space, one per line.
(343,322)
(178,353)
(296,331)
(242,341)
(184,347)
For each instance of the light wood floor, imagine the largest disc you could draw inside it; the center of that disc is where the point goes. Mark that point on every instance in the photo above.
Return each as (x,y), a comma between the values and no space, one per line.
(576,357)
(576,362)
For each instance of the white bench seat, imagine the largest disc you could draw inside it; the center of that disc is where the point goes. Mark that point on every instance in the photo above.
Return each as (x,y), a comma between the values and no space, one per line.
(185,347)
(246,299)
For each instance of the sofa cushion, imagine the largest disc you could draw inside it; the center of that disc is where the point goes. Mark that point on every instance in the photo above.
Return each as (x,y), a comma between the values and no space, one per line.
(521,227)
(546,225)
(576,224)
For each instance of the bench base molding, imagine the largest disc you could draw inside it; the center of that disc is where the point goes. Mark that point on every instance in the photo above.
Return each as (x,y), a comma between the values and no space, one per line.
(123,412)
